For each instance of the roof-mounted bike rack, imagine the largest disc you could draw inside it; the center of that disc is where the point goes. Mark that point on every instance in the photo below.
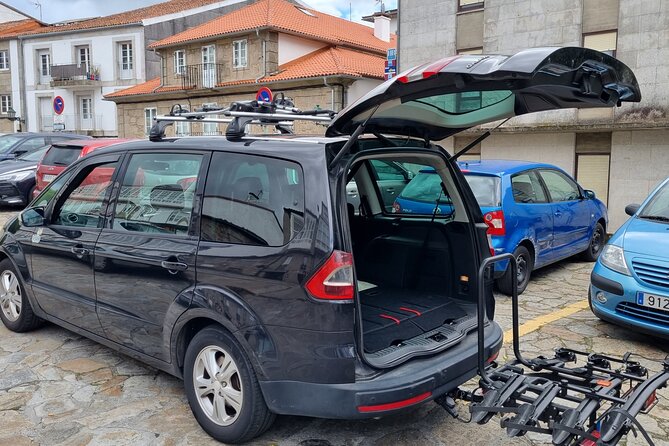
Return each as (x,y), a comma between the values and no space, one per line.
(280,113)
(594,403)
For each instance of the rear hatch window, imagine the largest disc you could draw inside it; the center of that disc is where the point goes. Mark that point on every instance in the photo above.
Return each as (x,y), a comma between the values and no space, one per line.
(60,155)
(486,189)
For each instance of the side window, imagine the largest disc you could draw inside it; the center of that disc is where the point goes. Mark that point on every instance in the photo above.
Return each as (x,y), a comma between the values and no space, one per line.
(52,190)
(31,144)
(251,200)
(157,193)
(560,187)
(526,188)
(82,206)
(386,170)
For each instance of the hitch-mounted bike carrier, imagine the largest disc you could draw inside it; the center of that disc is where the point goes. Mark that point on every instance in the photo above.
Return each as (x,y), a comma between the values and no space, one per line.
(595,403)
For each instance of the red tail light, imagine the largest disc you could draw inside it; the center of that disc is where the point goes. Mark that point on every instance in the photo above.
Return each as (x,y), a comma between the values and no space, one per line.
(495,222)
(492,250)
(333,280)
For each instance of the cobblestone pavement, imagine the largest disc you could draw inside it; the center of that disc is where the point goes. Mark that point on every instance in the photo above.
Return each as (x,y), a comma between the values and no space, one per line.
(57,388)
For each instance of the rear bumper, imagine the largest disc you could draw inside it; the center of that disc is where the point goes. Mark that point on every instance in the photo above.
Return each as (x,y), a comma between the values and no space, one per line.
(414,382)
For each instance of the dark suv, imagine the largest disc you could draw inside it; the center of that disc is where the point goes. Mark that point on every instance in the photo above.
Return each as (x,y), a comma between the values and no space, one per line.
(237,264)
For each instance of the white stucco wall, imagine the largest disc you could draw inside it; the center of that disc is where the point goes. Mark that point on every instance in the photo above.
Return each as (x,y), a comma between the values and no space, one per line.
(103,46)
(360,88)
(553,148)
(9,15)
(15,73)
(292,47)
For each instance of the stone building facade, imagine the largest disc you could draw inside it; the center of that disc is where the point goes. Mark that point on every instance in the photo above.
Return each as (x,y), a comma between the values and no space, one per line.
(621,154)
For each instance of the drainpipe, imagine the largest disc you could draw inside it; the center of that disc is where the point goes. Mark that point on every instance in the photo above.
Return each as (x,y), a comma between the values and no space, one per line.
(264,57)
(332,93)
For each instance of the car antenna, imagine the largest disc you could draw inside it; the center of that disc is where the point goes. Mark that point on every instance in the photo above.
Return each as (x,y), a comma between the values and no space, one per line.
(353,139)
(478,140)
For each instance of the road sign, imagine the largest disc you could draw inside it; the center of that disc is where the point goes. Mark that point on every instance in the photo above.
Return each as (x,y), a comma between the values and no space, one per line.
(57,126)
(264,94)
(391,54)
(58,105)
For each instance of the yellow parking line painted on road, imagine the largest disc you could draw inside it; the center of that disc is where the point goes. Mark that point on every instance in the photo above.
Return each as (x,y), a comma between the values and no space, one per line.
(537,323)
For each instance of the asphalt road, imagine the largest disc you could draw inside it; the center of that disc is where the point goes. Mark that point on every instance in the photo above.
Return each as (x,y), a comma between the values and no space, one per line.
(57,388)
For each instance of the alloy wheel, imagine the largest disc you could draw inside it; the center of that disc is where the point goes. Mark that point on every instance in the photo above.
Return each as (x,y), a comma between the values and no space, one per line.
(522,269)
(596,242)
(218,386)
(10,295)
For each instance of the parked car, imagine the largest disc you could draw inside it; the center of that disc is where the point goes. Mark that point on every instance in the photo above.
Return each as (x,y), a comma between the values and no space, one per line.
(62,154)
(536,211)
(629,284)
(236,266)
(15,144)
(17,178)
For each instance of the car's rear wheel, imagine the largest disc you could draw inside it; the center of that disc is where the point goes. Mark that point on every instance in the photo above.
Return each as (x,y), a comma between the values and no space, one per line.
(596,244)
(525,265)
(15,310)
(222,388)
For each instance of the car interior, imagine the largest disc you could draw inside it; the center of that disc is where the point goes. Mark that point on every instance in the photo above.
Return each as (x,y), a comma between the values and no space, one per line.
(415,273)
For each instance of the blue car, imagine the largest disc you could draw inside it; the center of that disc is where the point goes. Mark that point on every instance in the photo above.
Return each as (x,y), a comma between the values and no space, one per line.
(533,210)
(629,285)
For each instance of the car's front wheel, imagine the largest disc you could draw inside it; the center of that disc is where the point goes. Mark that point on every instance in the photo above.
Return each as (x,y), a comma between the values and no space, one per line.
(596,244)
(15,310)
(222,388)
(525,265)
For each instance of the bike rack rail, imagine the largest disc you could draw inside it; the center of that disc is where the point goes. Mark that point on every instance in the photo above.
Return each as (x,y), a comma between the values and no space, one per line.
(595,403)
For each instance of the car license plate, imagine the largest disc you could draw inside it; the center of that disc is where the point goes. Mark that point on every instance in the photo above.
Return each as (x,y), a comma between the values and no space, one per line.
(653,301)
(48,178)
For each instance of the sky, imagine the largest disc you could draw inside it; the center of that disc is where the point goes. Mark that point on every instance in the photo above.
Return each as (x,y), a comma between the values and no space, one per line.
(62,10)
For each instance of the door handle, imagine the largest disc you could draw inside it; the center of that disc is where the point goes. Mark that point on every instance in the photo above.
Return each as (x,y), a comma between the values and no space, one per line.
(173,267)
(558,213)
(79,250)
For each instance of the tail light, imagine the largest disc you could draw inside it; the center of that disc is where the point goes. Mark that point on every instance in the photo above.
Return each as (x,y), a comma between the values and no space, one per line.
(334,279)
(492,250)
(495,222)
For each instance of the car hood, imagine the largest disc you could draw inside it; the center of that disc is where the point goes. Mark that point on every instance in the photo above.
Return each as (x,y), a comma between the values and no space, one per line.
(646,237)
(436,100)
(14,165)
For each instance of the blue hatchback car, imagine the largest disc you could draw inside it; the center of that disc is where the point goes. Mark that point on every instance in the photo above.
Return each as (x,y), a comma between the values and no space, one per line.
(533,210)
(630,281)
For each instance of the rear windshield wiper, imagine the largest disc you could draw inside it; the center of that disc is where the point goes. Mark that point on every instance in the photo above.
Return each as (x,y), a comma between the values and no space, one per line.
(655,217)
(60,163)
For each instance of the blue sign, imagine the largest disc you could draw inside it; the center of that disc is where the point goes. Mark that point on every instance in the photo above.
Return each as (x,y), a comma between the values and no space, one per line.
(264,94)
(58,105)
(391,54)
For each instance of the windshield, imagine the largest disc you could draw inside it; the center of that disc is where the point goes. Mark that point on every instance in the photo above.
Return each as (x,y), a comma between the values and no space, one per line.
(486,189)
(658,206)
(426,188)
(33,156)
(61,155)
(8,141)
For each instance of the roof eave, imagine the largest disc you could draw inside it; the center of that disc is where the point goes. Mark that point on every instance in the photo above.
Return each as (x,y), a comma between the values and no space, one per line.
(73,31)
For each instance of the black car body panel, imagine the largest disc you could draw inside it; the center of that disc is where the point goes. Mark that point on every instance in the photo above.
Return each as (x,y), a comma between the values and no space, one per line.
(17,178)
(30,141)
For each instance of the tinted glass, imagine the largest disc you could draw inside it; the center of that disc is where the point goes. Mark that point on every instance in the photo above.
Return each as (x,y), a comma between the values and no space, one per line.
(157,193)
(31,144)
(658,206)
(33,156)
(486,189)
(7,141)
(560,187)
(424,195)
(83,205)
(52,190)
(386,170)
(252,200)
(61,155)
(526,188)
(466,101)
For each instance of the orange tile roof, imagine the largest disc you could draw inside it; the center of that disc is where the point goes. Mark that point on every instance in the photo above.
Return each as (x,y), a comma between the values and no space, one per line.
(284,16)
(14,28)
(332,61)
(129,17)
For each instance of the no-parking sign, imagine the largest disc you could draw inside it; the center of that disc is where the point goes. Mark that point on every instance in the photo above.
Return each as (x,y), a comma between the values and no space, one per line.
(264,94)
(58,105)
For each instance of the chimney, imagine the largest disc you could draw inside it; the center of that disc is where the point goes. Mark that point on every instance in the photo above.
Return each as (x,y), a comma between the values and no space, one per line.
(382,27)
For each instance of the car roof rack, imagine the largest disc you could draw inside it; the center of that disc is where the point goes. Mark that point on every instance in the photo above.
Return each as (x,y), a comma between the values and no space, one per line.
(280,113)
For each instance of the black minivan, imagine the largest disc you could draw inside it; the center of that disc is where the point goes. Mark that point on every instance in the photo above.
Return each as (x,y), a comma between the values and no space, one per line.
(237,264)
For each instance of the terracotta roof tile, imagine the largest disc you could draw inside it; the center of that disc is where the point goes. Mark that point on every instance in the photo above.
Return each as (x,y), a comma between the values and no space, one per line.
(129,17)
(14,28)
(284,16)
(332,61)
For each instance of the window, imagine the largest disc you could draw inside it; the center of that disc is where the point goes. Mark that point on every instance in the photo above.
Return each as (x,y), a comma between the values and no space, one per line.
(389,170)
(125,60)
(239,53)
(605,42)
(486,189)
(466,5)
(82,207)
(149,116)
(86,108)
(4,60)
(157,193)
(251,200)
(527,188)
(210,128)
(179,62)
(84,57)
(182,128)
(45,64)
(31,144)
(5,103)
(560,186)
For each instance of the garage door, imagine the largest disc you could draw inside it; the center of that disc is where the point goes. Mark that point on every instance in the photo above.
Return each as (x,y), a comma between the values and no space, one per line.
(592,172)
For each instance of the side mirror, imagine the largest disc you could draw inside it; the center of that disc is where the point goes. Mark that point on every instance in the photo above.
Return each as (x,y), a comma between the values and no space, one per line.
(632,209)
(33,217)
(589,194)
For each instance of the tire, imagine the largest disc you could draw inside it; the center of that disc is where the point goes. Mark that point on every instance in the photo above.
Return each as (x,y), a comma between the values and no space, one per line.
(525,265)
(595,245)
(29,197)
(15,310)
(244,412)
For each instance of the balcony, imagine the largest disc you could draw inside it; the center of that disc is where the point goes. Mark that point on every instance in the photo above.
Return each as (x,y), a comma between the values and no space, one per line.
(200,76)
(74,75)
